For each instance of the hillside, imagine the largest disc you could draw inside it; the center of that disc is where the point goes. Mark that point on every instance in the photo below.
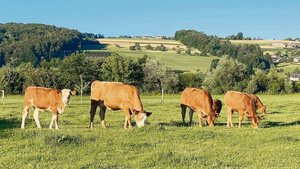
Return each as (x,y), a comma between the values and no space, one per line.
(175,61)
(268,44)
(33,42)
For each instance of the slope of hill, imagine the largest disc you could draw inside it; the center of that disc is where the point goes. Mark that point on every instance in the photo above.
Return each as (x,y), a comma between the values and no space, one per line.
(183,61)
(33,42)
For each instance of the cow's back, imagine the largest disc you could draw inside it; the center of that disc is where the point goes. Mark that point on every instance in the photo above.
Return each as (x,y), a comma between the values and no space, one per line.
(116,95)
(238,101)
(41,97)
(197,99)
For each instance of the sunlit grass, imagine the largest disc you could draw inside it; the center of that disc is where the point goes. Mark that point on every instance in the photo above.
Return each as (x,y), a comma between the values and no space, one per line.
(163,143)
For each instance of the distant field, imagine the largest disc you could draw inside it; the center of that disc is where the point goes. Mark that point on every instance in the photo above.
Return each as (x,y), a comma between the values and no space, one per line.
(267,44)
(173,60)
(288,67)
(163,143)
(176,61)
(123,42)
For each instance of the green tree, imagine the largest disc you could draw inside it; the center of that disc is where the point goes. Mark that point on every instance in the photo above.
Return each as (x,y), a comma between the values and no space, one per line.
(190,80)
(229,75)
(158,75)
(119,69)
(258,82)
(77,65)
(214,63)
(10,80)
(275,82)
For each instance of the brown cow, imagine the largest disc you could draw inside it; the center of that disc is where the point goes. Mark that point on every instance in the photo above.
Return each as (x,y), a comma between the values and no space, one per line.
(42,98)
(217,106)
(258,104)
(117,96)
(200,101)
(241,103)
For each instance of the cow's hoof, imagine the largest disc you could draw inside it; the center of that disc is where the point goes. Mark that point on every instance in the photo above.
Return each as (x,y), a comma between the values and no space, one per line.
(91,126)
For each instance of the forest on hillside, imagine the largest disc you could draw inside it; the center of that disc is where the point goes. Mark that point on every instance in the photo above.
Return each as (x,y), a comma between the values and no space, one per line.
(44,55)
(21,43)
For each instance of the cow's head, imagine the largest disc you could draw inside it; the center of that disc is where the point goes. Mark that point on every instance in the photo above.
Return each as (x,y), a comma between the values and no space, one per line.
(254,121)
(66,93)
(211,118)
(140,118)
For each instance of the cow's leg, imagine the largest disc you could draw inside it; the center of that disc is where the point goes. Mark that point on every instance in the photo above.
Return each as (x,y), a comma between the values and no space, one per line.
(25,114)
(36,117)
(102,116)
(94,105)
(51,123)
(56,120)
(229,117)
(191,116)
(183,112)
(200,118)
(240,119)
(125,122)
(127,118)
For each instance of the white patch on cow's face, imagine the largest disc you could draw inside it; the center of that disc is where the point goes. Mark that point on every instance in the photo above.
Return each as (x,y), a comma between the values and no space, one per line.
(65,95)
(142,119)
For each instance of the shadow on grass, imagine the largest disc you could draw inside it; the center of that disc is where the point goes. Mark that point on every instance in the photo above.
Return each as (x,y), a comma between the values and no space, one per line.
(269,124)
(274,112)
(9,123)
(181,124)
(172,123)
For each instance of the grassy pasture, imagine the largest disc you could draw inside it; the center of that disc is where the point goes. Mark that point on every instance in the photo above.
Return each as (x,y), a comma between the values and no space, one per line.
(163,143)
(173,60)
(123,42)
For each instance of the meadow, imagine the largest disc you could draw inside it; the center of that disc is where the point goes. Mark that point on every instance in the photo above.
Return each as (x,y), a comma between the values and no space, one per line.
(174,61)
(163,143)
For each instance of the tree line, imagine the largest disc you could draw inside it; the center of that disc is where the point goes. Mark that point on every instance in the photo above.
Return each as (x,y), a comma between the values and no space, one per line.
(147,74)
(37,62)
(249,54)
(32,43)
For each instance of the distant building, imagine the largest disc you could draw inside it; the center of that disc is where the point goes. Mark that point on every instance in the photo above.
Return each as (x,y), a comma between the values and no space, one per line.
(295,77)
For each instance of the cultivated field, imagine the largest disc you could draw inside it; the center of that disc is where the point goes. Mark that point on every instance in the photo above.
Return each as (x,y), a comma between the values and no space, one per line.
(173,60)
(163,143)
(123,42)
(265,44)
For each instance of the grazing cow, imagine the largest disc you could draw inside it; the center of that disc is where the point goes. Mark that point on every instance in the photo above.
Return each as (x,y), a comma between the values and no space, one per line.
(217,106)
(117,96)
(241,103)
(200,101)
(42,98)
(258,104)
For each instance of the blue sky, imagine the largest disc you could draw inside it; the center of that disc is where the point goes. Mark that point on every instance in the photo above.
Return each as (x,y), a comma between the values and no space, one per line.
(269,19)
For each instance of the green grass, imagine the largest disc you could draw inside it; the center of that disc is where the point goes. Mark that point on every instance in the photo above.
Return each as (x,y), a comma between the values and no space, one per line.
(173,60)
(162,143)
(287,67)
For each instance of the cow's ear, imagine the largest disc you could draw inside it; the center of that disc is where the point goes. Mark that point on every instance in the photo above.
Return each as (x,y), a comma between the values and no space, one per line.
(148,114)
(73,91)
